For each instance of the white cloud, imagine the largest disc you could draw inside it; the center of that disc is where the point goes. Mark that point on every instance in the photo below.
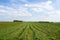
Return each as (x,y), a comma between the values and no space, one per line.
(48,5)
(3,11)
(37,10)
(38,7)
(54,15)
(23,10)
(14,12)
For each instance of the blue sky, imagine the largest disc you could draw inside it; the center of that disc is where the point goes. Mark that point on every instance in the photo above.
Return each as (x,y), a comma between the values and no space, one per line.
(30,10)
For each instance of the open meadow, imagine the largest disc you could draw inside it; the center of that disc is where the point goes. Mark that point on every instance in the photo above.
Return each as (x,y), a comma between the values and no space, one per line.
(29,31)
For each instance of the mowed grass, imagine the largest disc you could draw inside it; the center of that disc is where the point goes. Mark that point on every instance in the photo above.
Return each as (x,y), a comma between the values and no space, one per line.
(29,31)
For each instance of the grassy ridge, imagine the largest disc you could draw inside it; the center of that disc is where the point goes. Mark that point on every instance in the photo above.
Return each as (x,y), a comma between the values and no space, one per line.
(29,31)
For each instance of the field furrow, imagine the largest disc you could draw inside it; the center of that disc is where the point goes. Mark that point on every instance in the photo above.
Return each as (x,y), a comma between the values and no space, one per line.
(29,31)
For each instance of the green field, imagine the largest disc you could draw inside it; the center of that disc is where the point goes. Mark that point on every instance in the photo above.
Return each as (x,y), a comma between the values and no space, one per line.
(29,31)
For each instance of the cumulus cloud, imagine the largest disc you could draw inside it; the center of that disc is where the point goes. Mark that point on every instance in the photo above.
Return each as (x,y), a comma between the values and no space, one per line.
(14,12)
(37,10)
(49,13)
(38,7)
(54,16)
